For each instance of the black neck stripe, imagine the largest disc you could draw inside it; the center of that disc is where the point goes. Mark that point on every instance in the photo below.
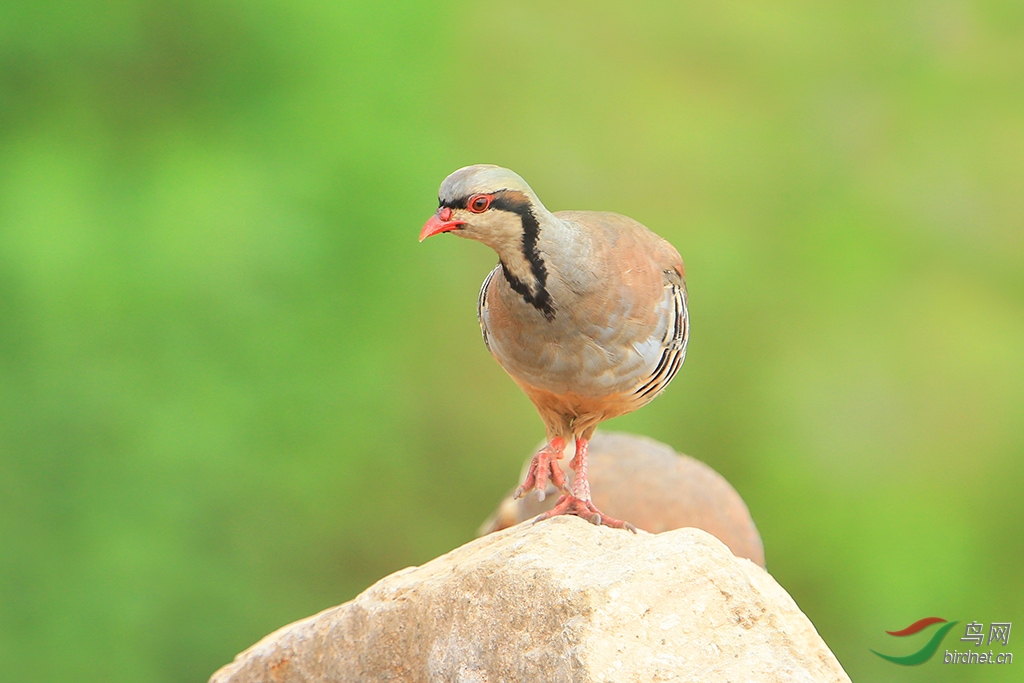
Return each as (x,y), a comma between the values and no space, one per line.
(538,296)
(514,201)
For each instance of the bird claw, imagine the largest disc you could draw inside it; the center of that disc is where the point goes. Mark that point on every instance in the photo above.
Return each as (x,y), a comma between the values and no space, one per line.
(571,505)
(544,469)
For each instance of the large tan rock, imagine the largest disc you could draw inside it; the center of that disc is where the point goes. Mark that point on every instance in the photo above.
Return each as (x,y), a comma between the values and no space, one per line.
(561,600)
(649,484)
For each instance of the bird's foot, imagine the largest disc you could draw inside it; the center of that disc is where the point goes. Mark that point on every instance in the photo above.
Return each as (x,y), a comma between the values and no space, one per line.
(542,468)
(571,505)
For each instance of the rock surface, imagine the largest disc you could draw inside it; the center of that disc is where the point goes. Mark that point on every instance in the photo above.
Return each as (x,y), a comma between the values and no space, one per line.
(561,600)
(646,482)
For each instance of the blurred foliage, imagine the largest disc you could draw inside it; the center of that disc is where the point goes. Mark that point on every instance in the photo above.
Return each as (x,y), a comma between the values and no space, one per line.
(234,390)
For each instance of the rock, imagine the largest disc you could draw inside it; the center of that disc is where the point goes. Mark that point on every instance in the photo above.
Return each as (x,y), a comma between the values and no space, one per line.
(561,600)
(649,484)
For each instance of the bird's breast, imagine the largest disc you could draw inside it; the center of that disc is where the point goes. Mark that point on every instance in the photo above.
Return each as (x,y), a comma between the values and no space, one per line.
(599,342)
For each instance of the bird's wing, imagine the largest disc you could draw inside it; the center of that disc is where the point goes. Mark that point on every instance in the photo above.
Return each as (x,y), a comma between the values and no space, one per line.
(633,326)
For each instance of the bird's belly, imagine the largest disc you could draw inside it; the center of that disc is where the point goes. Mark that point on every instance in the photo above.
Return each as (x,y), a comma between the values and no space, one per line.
(593,363)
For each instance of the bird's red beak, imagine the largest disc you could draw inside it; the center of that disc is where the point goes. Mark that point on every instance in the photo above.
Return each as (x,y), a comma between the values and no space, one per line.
(439,222)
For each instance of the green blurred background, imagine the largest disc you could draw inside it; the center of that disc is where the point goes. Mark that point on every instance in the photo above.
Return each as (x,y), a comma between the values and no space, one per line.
(235,390)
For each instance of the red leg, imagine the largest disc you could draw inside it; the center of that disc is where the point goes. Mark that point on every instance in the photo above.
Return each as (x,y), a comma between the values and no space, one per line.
(578,502)
(581,484)
(542,467)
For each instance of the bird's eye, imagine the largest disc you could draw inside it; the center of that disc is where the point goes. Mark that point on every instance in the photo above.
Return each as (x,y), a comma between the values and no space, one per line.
(479,203)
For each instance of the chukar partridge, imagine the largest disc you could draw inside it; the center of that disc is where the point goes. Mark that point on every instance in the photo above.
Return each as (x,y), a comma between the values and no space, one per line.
(585,310)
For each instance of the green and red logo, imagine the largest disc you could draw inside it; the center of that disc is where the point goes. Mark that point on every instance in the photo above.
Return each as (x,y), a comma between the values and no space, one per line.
(926,652)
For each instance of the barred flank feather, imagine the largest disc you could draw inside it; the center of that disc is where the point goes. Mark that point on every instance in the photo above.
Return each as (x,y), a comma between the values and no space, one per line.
(675,347)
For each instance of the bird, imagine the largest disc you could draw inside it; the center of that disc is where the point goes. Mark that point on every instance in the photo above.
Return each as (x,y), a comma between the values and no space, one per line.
(585,310)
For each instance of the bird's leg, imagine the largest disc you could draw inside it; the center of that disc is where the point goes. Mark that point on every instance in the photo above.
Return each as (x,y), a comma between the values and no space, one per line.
(578,502)
(580,484)
(542,467)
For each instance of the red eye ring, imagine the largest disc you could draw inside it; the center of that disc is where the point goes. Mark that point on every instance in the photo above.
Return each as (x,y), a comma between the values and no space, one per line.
(479,203)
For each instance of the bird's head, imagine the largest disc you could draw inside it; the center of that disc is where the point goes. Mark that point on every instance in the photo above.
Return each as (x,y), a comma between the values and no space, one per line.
(486,203)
